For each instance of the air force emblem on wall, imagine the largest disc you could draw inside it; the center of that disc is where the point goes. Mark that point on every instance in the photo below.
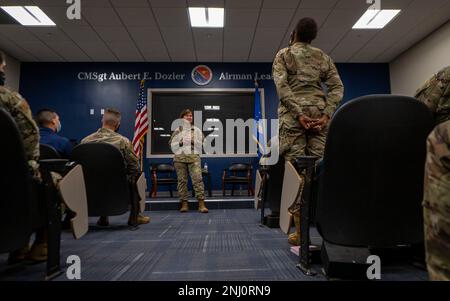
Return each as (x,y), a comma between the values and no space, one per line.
(201,75)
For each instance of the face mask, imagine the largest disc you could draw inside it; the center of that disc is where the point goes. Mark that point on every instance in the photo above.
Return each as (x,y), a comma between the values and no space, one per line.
(2,78)
(58,127)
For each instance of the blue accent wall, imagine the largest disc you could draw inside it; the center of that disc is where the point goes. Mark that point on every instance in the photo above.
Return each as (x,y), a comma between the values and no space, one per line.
(64,88)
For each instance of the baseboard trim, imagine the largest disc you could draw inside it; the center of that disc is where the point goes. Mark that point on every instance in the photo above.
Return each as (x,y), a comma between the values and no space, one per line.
(193,204)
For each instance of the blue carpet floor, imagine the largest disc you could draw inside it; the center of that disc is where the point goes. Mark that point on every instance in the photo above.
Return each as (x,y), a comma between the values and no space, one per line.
(226,244)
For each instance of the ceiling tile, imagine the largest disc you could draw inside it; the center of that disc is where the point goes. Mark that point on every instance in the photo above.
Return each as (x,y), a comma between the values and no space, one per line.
(113,34)
(243,4)
(329,36)
(15,51)
(179,43)
(49,34)
(134,16)
(101,16)
(319,15)
(275,17)
(145,34)
(82,34)
(280,4)
(318,4)
(269,36)
(168,3)
(17,33)
(40,50)
(168,17)
(241,17)
(153,52)
(263,54)
(130,3)
(208,44)
(237,43)
(125,52)
(343,18)
(205,3)
(69,51)
(17,2)
(98,51)
(95,3)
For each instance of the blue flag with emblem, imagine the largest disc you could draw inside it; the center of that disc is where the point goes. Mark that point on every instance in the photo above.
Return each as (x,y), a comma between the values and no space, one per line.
(259,125)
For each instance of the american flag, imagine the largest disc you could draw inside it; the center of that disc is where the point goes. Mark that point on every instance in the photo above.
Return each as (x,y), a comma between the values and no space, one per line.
(141,122)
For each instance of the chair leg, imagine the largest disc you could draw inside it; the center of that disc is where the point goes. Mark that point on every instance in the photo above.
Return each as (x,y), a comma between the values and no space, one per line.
(170,190)
(223,188)
(232,190)
(250,188)
(155,189)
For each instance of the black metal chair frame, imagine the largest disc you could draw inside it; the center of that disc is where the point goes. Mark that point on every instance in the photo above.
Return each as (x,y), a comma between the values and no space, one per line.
(234,179)
(170,180)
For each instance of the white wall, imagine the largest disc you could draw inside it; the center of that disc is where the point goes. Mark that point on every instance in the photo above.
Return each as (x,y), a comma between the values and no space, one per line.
(12,73)
(413,67)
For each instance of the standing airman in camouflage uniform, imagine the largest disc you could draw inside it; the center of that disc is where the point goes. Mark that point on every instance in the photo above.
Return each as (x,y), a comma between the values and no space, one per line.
(186,143)
(437,203)
(304,111)
(108,134)
(435,93)
(20,111)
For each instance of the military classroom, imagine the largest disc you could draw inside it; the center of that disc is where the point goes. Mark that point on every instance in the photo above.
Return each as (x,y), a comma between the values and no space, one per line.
(264,143)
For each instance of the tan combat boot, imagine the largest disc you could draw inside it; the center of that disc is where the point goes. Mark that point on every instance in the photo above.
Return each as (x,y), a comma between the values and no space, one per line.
(184,206)
(201,206)
(294,238)
(38,252)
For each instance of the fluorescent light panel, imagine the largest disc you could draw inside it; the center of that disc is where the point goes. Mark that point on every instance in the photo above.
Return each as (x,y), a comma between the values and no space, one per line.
(376,19)
(29,15)
(206,17)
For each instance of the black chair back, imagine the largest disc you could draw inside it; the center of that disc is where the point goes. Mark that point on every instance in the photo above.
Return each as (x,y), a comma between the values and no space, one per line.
(15,187)
(107,187)
(164,168)
(371,185)
(48,152)
(239,167)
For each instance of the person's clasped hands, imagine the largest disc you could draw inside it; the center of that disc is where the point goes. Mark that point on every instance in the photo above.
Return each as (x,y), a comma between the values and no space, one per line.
(316,124)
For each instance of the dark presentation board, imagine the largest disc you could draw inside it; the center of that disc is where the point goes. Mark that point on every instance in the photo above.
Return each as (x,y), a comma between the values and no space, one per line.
(166,106)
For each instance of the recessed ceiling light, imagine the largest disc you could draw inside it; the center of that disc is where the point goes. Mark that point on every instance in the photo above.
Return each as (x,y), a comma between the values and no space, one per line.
(376,18)
(29,15)
(206,17)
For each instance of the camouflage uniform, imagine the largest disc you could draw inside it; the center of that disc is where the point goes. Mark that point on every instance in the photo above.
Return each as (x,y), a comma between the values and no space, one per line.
(299,72)
(437,203)
(435,93)
(187,160)
(123,144)
(21,113)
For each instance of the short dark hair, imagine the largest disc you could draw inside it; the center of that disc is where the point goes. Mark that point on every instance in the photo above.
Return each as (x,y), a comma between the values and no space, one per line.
(112,116)
(185,112)
(306,30)
(2,57)
(45,116)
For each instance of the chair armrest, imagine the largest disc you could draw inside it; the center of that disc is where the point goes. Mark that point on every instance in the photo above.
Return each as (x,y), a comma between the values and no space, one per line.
(61,166)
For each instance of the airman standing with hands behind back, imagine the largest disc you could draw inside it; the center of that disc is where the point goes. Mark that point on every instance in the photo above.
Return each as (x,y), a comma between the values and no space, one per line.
(304,110)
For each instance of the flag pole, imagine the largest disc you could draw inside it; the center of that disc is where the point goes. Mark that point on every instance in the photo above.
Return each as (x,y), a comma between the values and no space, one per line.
(142,157)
